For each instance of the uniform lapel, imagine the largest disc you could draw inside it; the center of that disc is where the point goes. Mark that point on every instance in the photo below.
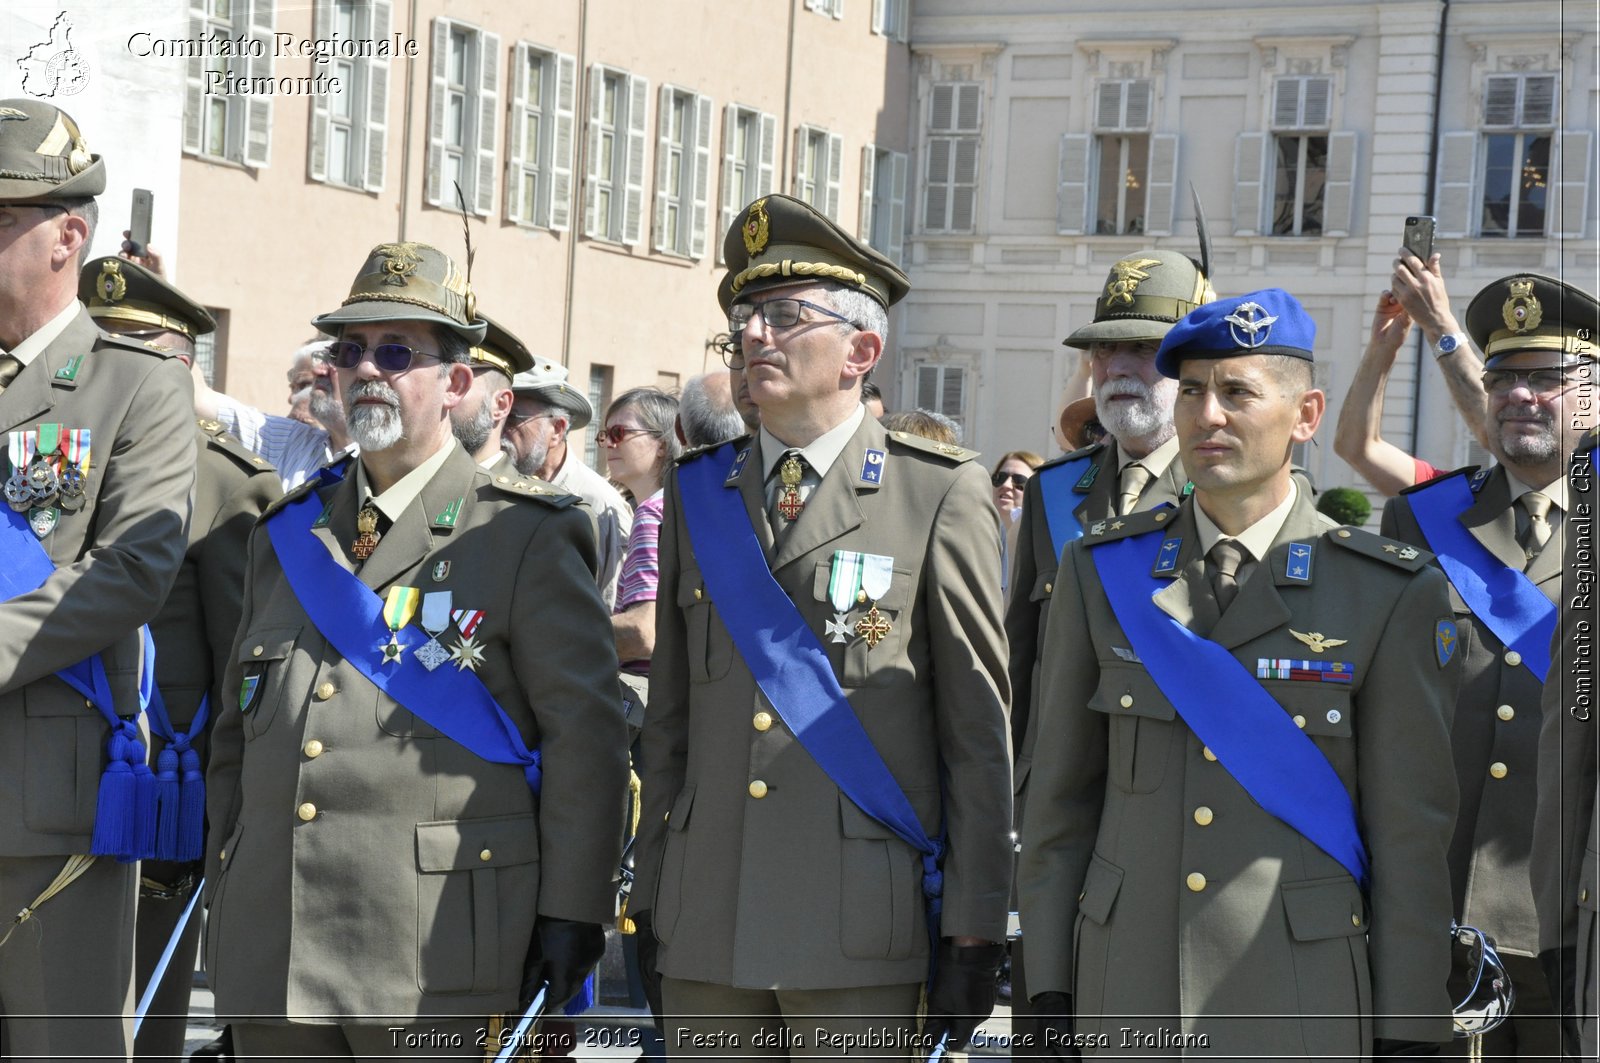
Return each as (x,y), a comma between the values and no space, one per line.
(1165,489)
(1100,500)
(1547,566)
(1491,521)
(1259,607)
(339,530)
(410,540)
(1188,599)
(29,397)
(752,488)
(832,509)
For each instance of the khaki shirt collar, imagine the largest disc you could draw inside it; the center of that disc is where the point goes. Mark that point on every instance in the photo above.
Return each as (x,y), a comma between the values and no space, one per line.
(1257,539)
(1555,490)
(46,334)
(1155,463)
(822,451)
(398,498)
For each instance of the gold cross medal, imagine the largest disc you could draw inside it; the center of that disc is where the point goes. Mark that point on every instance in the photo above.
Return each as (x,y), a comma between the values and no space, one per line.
(435,620)
(398,609)
(789,503)
(877,573)
(367,529)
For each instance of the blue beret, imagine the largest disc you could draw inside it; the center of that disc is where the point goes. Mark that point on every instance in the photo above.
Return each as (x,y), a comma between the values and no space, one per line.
(1270,321)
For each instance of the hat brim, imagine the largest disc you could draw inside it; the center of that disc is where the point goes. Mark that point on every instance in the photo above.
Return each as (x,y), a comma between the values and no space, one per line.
(367,311)
(1118,329)
(566,397)
(86,185)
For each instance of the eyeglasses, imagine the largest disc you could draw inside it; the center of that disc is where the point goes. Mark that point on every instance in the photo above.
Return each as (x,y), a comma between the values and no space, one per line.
(614,435)
(389,357)
(1016,479)
(1546,380)
(516,420)
(732,350)
(778,314)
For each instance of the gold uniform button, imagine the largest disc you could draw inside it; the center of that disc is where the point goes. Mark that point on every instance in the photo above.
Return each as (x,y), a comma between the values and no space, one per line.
(313,749)
(88,704)
(1203,816)
(1196,882)
(1355,920)
(1300,721)
(1343,534)
(325,691)
(258,651)
(1583,896)
(763,720)
(758,789)
(1498,770)
(1048,588)
(223,855)
(1505,712)
(486,855)
(1126,701)
(307,812)
(1513,658)
(1205,751)
(699,594)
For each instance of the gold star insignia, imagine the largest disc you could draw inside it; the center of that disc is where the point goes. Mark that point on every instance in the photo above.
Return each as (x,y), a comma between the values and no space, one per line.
(1316,642)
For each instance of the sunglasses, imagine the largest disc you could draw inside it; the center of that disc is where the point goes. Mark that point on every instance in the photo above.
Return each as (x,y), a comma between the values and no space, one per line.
(617,433)
(389,357)
(1547,381)
(1017,479)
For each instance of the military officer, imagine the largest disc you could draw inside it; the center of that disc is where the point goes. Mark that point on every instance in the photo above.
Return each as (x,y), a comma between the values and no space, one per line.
(194,630)
(1234,843)
(100,466)
(480,421)
(1565,862)
(416,787)
(1498,534)
(785,883)
(1137,468)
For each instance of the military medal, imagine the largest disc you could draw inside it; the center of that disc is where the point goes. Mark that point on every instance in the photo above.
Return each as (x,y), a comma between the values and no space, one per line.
(467,620)
(844,589)
(19,496)
(398,608)
(468,654)
(367,529)
(435,620)
(74,470)
(789,502)
(877,573)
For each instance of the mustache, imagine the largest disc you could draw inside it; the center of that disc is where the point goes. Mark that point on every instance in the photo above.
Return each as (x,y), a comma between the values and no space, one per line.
(1124,386)
(1525,413)
(371,389)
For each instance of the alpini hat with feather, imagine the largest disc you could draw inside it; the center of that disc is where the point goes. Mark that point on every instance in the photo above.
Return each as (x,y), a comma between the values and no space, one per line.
(409,282)
(43,157)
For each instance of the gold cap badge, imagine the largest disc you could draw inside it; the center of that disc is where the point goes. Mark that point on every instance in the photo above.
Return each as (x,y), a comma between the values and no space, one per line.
(755,228)
(1522,311)
(111,284)
(1126,277)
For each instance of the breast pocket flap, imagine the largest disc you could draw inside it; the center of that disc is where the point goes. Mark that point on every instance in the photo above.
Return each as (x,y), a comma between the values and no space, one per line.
(1324,908)
(469,844)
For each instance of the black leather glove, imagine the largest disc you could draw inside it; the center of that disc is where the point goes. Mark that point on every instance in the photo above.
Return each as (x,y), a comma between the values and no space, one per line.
(1389,1048)
(218,1051)
(644,939)
(1053,1014)
(562,954)
(962,994)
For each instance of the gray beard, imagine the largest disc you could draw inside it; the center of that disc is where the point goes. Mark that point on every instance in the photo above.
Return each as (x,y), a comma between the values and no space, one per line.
(530,463)
(474,431)
(374,427)
(326,410)
(1535,449)
(1146,416)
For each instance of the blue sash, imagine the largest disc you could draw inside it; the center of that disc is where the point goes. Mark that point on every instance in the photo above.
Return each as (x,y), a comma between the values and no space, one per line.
(125,807)
(350,616)
(1503,599)
(1055,490)
(788,662)
(1253,738)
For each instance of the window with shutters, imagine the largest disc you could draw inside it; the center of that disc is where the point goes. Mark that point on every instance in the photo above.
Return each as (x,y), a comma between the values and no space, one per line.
(818,164)
(943,389)
(1122,156)
(464,117)
(347,143)
(218,122)
(891,18)
(749,160)
(600,377)
(1519,115)
(540,145)
(683,171)
(883,200)
(1300,154)
(613,195)
(831,8)
(950,190)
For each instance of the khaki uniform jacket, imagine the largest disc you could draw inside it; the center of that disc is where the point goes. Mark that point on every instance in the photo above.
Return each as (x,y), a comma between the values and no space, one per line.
(799,889)
(1489,853)
(360,864)
(1565,864)
(1161,896)
(1034,575)
(115,562)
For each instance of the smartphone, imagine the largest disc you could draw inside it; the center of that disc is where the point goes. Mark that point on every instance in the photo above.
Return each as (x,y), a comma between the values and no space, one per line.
(1419,236)
(139,220)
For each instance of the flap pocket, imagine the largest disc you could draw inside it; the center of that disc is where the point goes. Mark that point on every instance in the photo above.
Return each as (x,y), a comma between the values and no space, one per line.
(1042,586)
(678,818)
(1101,884)
(894,598)
(691,588)
(267,644)
(1324,908)
(1320,708)
(1129,690)
(468,844)
(857,824)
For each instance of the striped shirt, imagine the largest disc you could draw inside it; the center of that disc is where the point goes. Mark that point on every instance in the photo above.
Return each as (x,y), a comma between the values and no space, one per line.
(641,565)
(295,448)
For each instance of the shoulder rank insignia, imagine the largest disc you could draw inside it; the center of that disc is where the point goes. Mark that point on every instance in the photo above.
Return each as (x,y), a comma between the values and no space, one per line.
(1086,481)
(737,467)
(1298,567)
(1317,642)
(1167,557)
(1097,528)
(872,467)
(1445,639)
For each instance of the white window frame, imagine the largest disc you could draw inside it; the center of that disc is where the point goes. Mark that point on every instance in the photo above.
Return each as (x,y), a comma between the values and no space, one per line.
(245,136)
(547,160)
(1524,120)
(818,168)
(364,86)
(622,220)
(952,157)
(1131,208)
(480,108)
(831,8)
(892,19)
(882,221)
(940,374)
(683,172)
(747,174)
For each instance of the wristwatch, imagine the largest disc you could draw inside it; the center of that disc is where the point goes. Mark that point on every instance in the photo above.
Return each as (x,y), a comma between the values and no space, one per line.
(1449,343)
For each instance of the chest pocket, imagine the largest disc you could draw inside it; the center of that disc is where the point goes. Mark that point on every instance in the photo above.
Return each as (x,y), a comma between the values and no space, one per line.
(1141,725)
(857,664)
(708,646)
(264,663)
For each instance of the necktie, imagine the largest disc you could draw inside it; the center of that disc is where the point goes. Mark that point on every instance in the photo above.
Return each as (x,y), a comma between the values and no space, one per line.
(9,368)
(1225,558)
(787,504)
(368,532)
(1132,484)
(1537,532)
